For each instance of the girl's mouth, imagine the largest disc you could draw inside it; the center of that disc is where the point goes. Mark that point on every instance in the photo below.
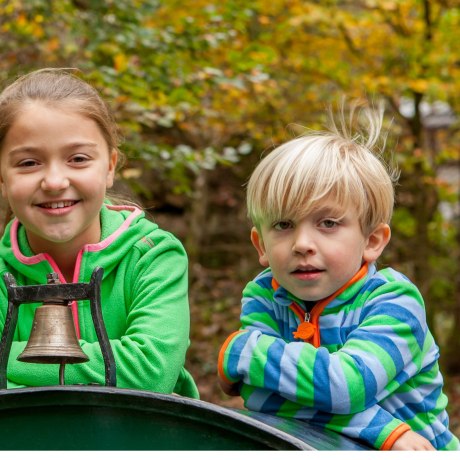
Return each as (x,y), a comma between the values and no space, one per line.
(57,204)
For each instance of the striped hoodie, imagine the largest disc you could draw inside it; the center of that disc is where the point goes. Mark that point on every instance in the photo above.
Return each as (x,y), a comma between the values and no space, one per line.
(369,369)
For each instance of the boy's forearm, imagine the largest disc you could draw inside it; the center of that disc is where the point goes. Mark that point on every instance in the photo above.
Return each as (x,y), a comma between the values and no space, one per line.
(263,361)
(341,382)
(239,360)
(231,389)
(375,426)
(410,440)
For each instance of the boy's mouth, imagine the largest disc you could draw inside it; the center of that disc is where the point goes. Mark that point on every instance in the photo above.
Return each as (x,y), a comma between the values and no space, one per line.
(308,269)
(307,274)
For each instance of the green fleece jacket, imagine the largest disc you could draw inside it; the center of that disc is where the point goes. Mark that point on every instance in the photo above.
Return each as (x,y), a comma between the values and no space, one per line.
(144,305)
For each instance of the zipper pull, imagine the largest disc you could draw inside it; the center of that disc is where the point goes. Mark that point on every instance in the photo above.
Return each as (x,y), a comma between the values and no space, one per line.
(306,330)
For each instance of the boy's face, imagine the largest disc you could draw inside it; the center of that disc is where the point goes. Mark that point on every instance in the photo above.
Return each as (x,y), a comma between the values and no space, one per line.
(315,256)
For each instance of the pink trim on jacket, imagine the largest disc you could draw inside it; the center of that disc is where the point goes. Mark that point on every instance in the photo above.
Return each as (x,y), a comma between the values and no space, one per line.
(87,248)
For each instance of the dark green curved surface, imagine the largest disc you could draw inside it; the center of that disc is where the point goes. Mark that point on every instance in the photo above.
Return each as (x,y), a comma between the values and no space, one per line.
(106,418)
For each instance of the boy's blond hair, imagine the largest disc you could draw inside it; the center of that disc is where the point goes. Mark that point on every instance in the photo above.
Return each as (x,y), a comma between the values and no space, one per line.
(334,165)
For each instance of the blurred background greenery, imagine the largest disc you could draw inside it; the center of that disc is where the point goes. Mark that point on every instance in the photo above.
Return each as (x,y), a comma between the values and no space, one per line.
(202,88)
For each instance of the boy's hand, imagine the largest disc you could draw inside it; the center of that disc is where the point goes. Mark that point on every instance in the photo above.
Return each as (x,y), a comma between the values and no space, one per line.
(410,440)
(231,389)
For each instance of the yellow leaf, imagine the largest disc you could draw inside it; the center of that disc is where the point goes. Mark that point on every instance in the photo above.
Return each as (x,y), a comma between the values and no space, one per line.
(120,62)
(419,85)
(53,44)
(22,20)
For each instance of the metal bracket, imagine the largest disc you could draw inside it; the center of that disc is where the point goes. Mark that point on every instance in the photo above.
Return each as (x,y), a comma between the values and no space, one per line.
(91,291)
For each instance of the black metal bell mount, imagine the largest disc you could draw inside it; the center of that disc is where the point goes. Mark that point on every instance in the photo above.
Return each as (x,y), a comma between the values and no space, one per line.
(53,339)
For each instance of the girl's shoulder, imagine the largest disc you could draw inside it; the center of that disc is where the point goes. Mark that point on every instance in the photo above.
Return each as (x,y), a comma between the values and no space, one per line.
(127,232)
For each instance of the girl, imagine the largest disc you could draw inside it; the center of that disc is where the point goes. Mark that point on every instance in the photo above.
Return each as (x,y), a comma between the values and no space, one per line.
(58,155)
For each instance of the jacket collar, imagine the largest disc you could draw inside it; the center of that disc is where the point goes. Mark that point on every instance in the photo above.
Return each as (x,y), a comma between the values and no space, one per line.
(341,296)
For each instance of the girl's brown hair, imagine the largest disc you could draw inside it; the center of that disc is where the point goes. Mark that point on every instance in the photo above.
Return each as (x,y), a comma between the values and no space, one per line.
(57,87)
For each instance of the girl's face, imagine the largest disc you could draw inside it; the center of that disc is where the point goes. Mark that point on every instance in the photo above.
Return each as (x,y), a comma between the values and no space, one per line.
(55,168)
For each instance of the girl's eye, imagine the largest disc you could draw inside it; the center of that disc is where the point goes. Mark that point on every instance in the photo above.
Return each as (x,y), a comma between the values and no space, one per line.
(79,159)
(27,163)
(283,225)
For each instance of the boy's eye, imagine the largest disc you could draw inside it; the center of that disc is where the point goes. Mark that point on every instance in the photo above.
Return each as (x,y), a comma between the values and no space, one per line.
(283,225)
(328,223)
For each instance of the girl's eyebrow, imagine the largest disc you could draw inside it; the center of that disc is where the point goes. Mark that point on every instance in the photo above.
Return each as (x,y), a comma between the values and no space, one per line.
(22,149)
(32,149)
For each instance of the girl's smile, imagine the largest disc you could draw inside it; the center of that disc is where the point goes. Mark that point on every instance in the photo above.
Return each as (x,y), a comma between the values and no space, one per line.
(58,208)
(57,204)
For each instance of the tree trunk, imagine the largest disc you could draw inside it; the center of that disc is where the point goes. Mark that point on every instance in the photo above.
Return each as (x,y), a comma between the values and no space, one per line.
(196,218)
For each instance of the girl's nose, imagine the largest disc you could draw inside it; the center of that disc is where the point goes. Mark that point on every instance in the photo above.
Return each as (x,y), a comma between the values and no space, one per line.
(303,243)
(54,180)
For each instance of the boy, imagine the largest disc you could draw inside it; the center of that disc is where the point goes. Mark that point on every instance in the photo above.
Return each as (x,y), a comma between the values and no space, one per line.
(325,336)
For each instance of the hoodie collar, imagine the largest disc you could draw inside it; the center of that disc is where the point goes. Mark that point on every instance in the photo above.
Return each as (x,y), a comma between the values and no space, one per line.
(341,296)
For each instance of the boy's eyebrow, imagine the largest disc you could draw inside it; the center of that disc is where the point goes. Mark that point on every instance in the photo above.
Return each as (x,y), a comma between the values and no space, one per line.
(329,210)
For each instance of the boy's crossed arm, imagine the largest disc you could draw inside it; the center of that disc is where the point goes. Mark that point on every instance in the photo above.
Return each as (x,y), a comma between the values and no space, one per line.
(386,432)
(329,383)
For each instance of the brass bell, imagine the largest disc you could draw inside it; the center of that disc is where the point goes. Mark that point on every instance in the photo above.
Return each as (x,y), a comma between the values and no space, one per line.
(53,339)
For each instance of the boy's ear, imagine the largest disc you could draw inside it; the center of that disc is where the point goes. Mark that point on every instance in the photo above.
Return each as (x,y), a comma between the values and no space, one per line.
(376,243)
(259,245)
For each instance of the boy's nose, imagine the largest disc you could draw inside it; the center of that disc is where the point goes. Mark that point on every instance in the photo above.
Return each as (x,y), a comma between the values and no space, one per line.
(303,243)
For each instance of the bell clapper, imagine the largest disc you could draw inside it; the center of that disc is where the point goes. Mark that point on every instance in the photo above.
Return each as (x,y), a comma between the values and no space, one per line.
(61,373)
